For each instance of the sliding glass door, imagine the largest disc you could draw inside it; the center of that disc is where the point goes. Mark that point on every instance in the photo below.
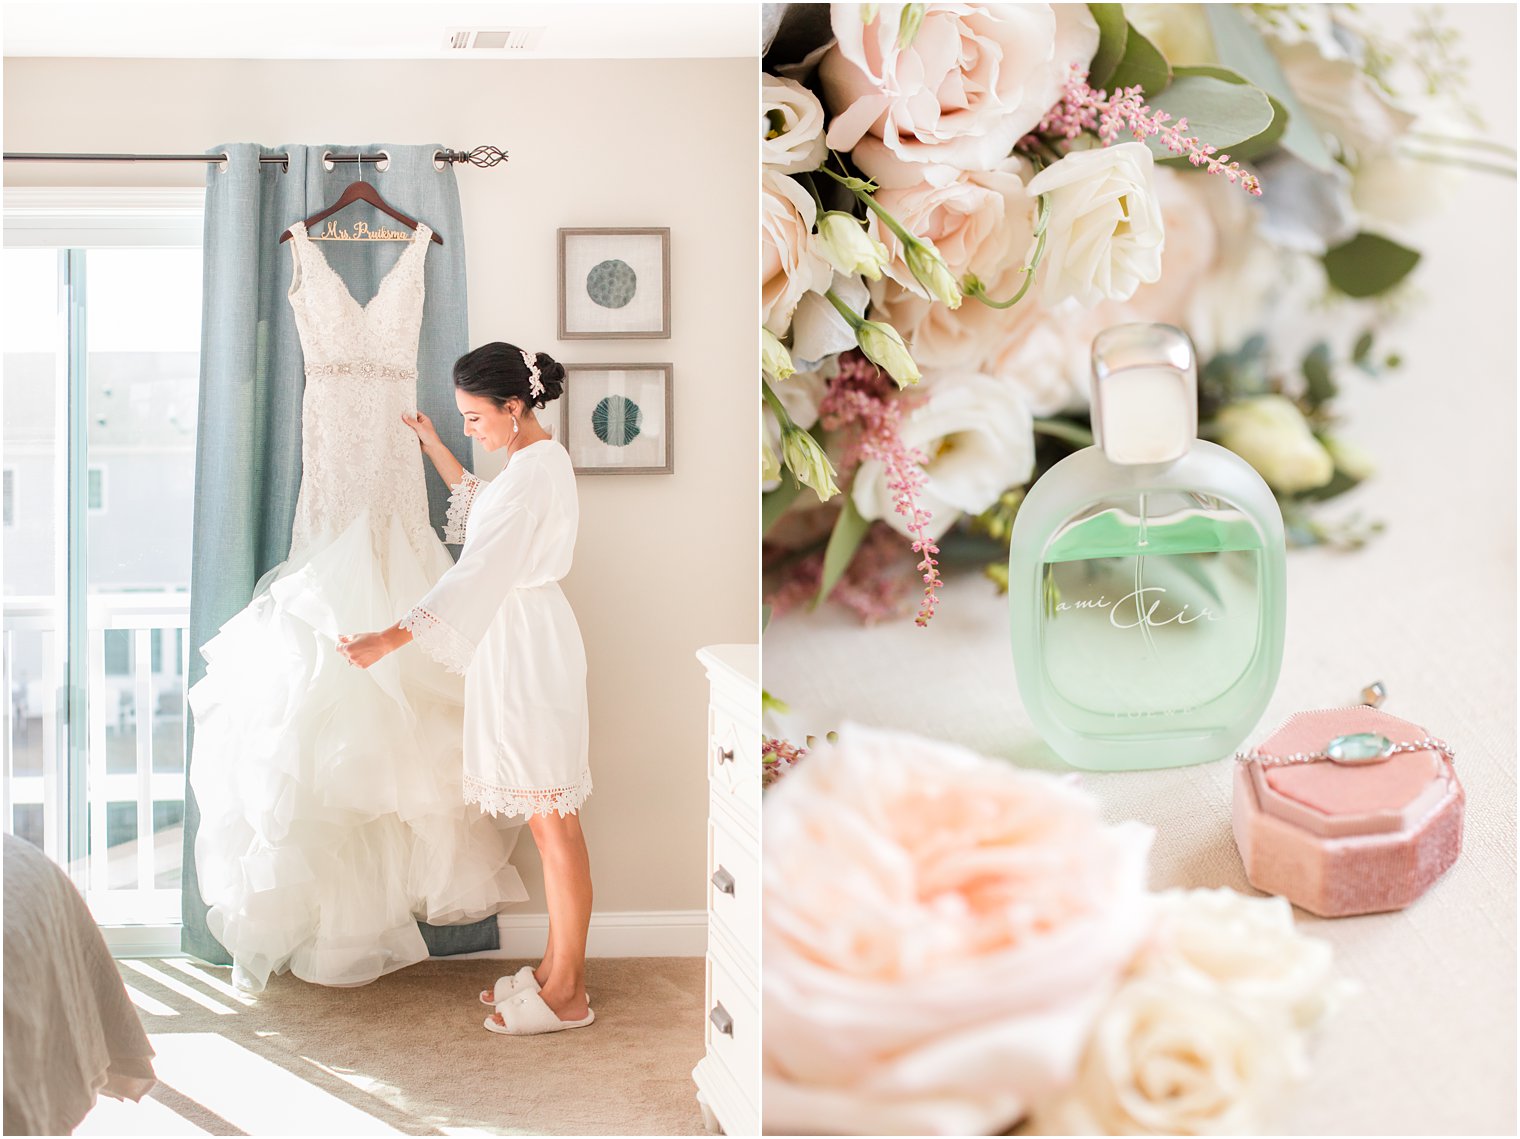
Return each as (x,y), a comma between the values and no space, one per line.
(101,367)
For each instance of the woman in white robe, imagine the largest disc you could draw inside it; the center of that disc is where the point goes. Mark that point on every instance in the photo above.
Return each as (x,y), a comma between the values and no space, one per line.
(499,617)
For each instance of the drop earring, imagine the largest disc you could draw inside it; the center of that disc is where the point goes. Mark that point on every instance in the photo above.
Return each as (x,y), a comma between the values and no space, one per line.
(514,425)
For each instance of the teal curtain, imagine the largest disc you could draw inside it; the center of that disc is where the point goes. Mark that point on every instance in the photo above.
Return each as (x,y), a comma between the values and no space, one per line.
(248,448)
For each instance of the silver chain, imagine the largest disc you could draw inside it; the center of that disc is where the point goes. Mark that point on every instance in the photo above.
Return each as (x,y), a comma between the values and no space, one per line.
(1430,743)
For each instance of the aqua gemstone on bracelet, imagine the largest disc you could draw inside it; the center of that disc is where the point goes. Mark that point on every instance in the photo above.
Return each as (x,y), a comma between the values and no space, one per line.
(1363,747)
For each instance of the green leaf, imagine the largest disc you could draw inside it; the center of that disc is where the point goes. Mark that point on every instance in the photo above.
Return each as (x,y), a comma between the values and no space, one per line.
(1363,347)
(1142,66)
(1369,264)
(773,504)
(765,617)
(1316,368)
(1241,49)
(1113,33)
(1339,484)
(1220,112)
(849,530)
(1257,145)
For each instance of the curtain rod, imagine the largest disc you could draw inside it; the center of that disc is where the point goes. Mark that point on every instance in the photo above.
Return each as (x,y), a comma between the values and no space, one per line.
(482,156)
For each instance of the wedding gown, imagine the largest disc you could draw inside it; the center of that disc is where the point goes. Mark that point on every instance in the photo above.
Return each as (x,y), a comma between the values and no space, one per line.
(331,797)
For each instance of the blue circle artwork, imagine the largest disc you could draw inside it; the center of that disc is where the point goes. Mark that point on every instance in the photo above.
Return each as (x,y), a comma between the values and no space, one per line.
(616,421)
(612,284)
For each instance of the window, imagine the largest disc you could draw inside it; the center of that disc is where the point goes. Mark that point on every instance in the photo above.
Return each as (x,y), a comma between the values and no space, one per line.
(101,361)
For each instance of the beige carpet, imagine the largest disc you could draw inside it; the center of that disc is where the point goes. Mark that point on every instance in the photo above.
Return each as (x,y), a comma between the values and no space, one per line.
(410,1051)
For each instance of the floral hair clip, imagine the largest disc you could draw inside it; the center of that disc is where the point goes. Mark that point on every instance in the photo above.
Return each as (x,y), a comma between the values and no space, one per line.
(535,384)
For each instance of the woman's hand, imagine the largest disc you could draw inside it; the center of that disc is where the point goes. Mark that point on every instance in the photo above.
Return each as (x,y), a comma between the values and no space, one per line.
(364,649)
(427,434)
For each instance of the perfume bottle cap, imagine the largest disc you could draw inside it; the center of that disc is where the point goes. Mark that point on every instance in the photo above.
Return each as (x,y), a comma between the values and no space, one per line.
(1145,393)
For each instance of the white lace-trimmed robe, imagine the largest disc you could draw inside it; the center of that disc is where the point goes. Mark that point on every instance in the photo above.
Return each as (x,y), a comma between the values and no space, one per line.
(499,617)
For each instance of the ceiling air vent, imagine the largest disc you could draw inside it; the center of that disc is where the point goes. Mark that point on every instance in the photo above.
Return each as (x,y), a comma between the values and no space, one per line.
(493,41)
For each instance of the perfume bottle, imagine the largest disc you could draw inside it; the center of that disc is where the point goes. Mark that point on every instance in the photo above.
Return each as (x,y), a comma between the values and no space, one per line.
(1146,575)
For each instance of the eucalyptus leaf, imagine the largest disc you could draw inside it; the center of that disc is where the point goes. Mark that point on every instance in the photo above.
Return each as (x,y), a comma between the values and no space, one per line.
(1219,112)
(1241,49)
(1369,264)
(1113,34)
(1316,368)
(1142,66)
(849,530)
(1257,145)
(773,504)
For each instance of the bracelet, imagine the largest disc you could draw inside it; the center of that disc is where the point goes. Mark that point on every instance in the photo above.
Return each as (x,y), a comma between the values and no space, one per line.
(1351,751)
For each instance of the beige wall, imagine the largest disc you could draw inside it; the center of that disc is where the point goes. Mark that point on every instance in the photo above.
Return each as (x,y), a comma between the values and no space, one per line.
(665,563)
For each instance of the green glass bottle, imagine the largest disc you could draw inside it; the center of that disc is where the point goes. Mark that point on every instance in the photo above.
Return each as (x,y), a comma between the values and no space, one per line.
(1146,577)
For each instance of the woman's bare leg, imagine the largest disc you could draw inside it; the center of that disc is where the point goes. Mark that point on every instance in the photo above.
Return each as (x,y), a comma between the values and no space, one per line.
(567,890)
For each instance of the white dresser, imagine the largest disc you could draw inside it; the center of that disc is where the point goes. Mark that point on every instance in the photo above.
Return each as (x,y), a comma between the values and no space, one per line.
(728,1077)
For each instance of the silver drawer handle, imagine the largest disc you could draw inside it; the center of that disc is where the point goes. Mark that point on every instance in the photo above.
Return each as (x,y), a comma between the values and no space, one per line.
(721,1020)
(723,881)
(725,755)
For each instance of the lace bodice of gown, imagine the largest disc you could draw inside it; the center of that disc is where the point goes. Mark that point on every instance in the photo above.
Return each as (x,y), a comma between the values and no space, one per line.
(361,377)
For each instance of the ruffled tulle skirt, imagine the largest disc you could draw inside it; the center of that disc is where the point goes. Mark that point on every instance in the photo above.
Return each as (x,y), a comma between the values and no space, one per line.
(331,798)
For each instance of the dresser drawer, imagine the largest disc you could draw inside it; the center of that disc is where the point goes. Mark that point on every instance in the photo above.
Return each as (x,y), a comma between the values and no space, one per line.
(733,1029)
(733,885)
(733,760)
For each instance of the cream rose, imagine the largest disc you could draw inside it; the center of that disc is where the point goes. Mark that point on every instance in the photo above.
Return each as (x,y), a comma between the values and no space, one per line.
(1337,95)
(1270,433)
(1223,942)
(1165,1059)
(938,931)
(1211,1027)
(974,80)
(982,223)
(789,266)
(791,126)
(979,441)
(1105,233)
(1050,362)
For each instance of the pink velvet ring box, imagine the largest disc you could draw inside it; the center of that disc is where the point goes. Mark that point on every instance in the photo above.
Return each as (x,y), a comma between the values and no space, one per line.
(1341,839)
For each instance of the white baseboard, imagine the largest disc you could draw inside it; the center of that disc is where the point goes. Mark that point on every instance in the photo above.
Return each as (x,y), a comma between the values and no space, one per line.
(631,933)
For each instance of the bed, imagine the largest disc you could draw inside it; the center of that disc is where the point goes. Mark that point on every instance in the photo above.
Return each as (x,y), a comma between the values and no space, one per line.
(70,1029)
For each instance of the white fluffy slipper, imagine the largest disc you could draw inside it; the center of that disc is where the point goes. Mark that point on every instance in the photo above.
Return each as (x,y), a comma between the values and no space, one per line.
(507,986)
(526,1014)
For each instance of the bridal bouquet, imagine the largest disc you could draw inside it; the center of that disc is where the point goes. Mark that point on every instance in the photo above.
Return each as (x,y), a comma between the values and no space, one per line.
(956,197)
(982,950)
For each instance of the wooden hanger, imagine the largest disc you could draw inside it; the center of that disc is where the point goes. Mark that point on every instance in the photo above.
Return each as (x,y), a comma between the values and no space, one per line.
(359,192)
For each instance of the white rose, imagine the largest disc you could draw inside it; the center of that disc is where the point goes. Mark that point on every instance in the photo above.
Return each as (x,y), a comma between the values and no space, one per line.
(1165,1059)
(1395,194)
(1192,245)
(1339,98)
(979,441)
(1105,233)
(1270,433)
(789,266)
(974,80)
(818,331)
(941,974)
(791,126)
(982,223)
(1248,949)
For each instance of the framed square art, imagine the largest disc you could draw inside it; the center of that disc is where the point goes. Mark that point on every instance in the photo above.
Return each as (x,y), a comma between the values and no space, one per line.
(614,284)
(616,419)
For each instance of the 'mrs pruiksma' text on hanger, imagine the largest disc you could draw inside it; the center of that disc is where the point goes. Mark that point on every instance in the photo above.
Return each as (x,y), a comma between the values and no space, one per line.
(359,192)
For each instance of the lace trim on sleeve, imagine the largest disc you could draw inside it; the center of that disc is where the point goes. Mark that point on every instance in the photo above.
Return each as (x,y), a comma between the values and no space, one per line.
(509,801)
(461,499)
(439,639)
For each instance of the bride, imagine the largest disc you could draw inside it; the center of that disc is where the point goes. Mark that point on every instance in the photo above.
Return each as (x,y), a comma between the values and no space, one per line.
(332,804)
(499,617)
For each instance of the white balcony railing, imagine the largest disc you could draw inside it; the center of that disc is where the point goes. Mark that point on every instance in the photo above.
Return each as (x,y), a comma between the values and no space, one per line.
(135,746)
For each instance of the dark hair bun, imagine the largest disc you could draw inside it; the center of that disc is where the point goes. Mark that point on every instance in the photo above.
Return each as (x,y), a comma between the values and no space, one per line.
(552,374)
